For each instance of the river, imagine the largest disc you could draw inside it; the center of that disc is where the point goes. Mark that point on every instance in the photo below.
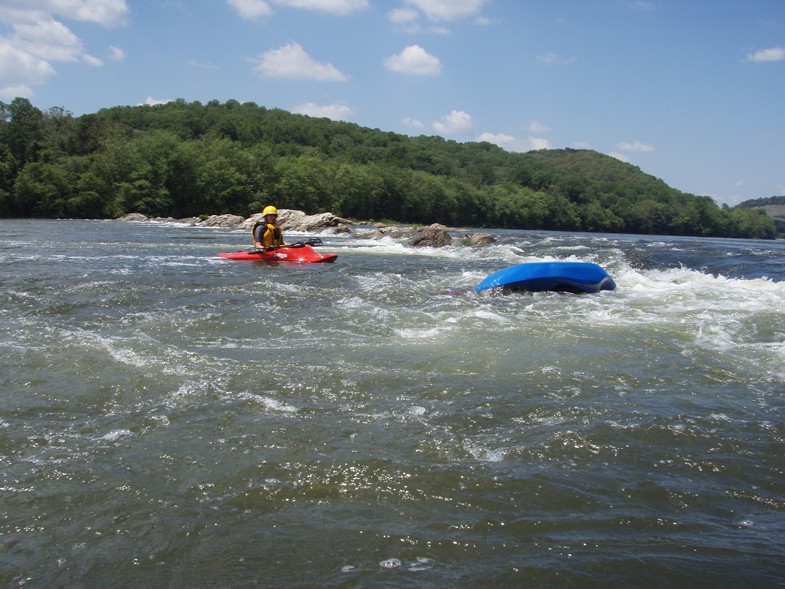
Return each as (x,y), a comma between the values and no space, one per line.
(172,419)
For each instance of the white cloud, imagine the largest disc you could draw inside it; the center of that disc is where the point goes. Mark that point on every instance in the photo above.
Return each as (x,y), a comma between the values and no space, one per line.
(38,39)
(116,53)
(407,18)
(457,121)
(251,9)
(19,71)
(20,90)
(150,101)
(636,147)
(500,139)
(336,112)
(104,12)
(107,13)
(48,39)
(339,7)
(537,127)
(447,10)
(413,123)
(291,61)
(91,60)
(620,156)
(255,9)
(203,65)
(414,60)
(511,143)
(403,16)
(771,54)
(534,143)
(554,59)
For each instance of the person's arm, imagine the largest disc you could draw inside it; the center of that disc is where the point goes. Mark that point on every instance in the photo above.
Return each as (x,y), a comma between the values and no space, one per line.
(258,236)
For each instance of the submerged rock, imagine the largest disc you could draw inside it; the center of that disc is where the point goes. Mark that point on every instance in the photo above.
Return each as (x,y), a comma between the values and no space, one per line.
(392,231)
(479,239)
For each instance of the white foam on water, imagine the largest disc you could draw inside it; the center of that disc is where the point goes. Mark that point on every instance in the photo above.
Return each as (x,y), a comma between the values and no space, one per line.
(417,411)
(419,334)
(188,393)
(362,384)
(725,314)
(483,452)
(422,563)
(117,434)
(270,403)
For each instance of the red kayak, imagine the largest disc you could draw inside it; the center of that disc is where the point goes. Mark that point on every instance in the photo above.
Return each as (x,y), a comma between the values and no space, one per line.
(297,253)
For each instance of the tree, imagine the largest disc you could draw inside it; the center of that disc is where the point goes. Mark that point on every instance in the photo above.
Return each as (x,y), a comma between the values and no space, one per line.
(300,183)
(42,190)
(143,173)
(21,130)
(187,159)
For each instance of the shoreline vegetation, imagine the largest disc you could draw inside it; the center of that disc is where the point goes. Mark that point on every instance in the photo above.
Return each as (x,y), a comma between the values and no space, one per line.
(188,159)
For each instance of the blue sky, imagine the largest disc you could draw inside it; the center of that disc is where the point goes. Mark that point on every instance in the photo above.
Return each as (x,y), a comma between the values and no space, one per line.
(690,91)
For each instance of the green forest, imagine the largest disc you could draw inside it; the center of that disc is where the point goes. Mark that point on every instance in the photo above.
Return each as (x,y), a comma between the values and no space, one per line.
(774,206)
(188,159)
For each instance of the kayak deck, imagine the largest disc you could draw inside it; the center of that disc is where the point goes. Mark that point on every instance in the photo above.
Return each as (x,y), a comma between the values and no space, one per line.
(300,254)
(575,277)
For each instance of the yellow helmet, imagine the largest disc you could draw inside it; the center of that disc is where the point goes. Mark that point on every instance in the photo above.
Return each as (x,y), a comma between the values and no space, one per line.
(269,211)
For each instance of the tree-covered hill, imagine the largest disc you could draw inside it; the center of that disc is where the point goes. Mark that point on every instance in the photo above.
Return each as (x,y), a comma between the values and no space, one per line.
(773,206)
(186,159)
(762,202)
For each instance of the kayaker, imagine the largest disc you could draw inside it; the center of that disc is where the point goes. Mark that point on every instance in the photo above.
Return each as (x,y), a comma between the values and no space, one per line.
(267,234)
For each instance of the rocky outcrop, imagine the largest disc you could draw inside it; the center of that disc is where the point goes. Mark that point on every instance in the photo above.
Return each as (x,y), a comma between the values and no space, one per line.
(299,221)
(137,217)
(230,221)
(434,236)
(293,220)
(288,219)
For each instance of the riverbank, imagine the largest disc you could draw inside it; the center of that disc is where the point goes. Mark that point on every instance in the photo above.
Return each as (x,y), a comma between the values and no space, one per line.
(435,235)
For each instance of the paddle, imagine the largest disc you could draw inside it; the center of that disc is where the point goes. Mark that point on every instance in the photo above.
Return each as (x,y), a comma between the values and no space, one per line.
(312,241)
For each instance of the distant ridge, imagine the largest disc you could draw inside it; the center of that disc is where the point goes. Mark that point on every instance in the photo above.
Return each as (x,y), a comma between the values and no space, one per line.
(773,206)
(762,202)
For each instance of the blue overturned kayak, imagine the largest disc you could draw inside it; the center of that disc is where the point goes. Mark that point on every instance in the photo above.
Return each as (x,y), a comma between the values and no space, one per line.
(575,277)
